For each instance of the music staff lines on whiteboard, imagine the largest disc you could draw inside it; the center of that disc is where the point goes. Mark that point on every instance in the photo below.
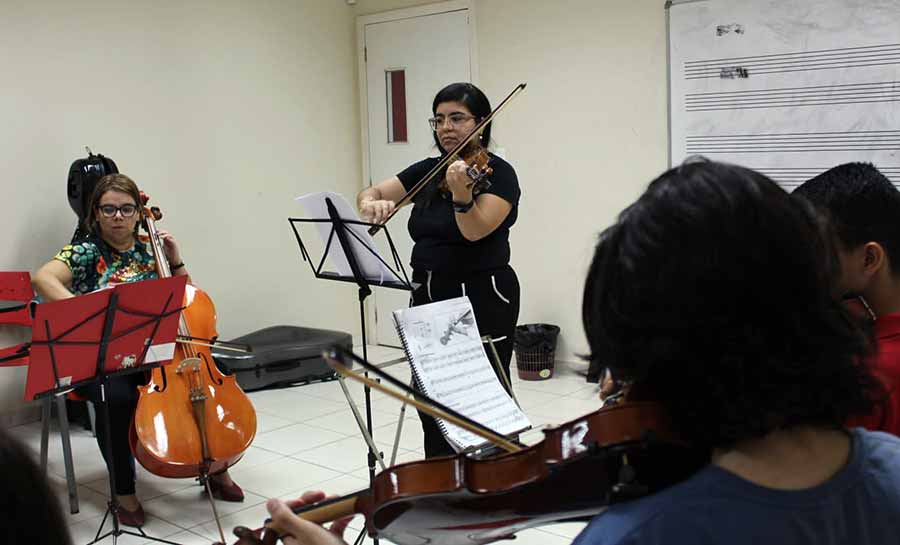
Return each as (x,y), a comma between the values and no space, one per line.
(826,59)
(820,95)
(806,54)
(794,142)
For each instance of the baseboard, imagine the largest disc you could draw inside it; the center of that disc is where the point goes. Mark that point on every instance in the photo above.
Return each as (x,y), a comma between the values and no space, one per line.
(21,415)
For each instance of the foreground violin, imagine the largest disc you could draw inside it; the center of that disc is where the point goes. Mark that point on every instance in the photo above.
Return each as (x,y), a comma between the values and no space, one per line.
(579,469)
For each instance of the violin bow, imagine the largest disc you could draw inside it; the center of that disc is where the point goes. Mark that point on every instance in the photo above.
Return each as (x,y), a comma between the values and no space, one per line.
(451,155)
(335,358)
(214,343)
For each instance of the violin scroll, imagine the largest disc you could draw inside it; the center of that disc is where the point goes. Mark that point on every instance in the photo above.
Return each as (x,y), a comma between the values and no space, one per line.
(246,536)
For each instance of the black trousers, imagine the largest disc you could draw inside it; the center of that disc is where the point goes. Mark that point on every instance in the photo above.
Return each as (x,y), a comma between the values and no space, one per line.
(121,396)
(495,299)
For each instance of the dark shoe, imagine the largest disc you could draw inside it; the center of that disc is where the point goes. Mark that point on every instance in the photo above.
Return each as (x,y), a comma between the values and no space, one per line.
(134,518)
(224,492)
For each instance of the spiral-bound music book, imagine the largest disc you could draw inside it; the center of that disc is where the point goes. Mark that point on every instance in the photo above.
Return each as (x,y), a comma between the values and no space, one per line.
(450,365)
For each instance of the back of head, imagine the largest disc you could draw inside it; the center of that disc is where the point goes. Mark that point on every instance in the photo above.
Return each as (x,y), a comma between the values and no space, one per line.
(29,512)
(861,205)
(714,288)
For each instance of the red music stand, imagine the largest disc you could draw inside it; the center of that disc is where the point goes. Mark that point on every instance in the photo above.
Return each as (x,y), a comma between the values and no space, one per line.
(125,329)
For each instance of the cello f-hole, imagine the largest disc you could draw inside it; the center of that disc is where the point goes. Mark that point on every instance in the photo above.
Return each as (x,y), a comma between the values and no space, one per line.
(218,381)
(165,381)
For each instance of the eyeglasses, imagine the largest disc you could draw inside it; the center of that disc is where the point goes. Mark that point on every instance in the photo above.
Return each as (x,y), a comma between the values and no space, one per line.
(110,210)
(455,120)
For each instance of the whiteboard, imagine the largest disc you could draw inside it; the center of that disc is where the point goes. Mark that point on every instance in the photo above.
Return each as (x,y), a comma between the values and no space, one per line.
(786,87)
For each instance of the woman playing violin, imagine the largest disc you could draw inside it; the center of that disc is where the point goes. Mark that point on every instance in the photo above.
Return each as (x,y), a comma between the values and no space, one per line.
(115,253)
(460,230)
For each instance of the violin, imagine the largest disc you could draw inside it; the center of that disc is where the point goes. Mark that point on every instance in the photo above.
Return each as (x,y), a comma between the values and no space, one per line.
(479,158)
(478,170)
(191,420)
(580,468)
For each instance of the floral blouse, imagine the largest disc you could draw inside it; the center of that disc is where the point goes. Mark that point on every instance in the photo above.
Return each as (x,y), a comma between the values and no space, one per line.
(95,264)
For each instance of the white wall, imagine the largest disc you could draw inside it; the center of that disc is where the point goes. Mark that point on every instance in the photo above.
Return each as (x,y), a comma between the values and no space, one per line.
(585,138)
(225,110)
(222,111)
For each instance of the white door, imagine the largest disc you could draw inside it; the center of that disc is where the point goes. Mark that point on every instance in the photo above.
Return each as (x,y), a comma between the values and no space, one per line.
(409,58)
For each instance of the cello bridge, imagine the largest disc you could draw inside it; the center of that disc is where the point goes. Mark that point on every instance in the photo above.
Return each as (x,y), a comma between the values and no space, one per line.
(191,364)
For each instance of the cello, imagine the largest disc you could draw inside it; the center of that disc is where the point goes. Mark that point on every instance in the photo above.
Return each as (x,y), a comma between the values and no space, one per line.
(617,453)
(191,419)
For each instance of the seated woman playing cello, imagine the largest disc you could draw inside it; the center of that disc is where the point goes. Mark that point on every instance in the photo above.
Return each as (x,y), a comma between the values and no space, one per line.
(115,253)
(714,291)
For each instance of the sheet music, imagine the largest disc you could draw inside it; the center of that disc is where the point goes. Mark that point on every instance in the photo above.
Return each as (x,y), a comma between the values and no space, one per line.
(160,352)
(450,365)
(787,87)
(374,270)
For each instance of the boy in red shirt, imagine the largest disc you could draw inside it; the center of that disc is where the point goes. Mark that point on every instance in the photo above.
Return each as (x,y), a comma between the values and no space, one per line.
(863,211)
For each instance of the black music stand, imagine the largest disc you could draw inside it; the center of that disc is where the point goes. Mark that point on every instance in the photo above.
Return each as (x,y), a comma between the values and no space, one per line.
(109,333)
(352,239)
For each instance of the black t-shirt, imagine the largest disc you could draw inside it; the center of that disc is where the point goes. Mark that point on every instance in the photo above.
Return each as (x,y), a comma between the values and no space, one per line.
(439,245)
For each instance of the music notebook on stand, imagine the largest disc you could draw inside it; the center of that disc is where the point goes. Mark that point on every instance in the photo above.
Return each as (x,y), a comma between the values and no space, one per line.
(88,339)
(450,365)
(352,252)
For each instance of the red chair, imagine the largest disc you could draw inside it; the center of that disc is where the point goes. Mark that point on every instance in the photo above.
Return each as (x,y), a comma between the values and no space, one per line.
(15,287)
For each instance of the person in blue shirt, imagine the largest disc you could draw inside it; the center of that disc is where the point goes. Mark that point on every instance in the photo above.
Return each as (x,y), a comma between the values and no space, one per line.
(715,291)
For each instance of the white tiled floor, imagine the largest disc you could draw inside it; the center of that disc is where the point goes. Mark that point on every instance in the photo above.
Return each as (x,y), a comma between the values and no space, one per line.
(307,439)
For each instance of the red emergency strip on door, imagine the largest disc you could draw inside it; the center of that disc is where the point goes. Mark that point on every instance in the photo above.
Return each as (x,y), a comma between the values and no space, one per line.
(398,105)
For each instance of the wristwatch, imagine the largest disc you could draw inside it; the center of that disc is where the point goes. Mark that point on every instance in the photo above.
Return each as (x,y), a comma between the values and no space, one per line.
(463,208)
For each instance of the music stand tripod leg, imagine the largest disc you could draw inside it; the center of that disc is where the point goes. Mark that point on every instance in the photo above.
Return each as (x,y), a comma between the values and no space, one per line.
(113,505)
(46,404)
(63,418)
(112,508)
(359,422)
(400,420)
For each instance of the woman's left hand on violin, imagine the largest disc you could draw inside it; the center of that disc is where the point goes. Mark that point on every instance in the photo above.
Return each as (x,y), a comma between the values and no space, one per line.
(170,247)
(458,181)
(296,531)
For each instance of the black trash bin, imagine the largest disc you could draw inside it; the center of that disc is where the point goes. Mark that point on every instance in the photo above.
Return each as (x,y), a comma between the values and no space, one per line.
(535,349)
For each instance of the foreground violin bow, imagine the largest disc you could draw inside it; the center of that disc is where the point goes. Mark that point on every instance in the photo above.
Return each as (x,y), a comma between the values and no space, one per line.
(450,157)
(419,400)
(580,468)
